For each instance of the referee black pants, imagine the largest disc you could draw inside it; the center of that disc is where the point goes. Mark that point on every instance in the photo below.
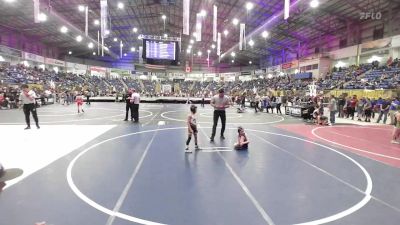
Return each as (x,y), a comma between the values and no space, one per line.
(135,112)
(28,108)
(129,106)
(217,115)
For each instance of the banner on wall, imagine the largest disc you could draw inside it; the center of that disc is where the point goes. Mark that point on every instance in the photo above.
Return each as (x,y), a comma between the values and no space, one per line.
(10,51)
(120,72)
(375,45)
(274,69)
(54,62)
(98,71)
(33,57)
(290,65)
(259,72)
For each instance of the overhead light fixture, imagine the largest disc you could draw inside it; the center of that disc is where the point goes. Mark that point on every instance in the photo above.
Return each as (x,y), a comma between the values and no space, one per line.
(233,54)
(9,1)
(188,50)
(115,39)
(133,49)
(139,37)
(90,45)
(64,29)
(249,6)
(69,53)
(203,13)
(165,35)
(107,32)
(81,8)
(233,61)
(120,5)
(79,38)
(251,43)
(106,48)
(235,21)
(42,17)
(314,3)
(163,17)
(265,34)
(96,22)
(121,44)
(199,53)
(191,41)
(212,46)
(250,62)
(94,53)
(134,30)
(226,32)
(125,54)
(208,50)
(190,46)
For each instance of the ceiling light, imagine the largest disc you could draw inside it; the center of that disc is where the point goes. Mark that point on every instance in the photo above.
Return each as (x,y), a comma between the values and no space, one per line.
(188,50)
(251,42)
(125,54)
(42,17)
(191,41)
(212,46)
(249,6)
(94,53)
(226,32)
(190,46)
(235,21)
(250,62)
(208,50)
(120,5)
(194,34)
(203,13)
(233,61)
(121,44)
(79,38)
(265,34)
(133,49)
(165,35)
(9,1)
(314,3)
(81,8)
(64,29)
(90,45)
(69,53)
(115,39)
(139,37)
(233,54)
(134,30)
(199,53)
(106,48)
(96,22)
(163,17)
(107,32)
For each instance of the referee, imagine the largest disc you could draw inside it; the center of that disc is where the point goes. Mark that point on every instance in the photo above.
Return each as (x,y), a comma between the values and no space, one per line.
(220,102)
(27,99)
(135,100)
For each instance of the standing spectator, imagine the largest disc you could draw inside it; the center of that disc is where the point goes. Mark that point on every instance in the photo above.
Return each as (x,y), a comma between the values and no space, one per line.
(27,99)
(332,109)
(257,103)
(278,104)
(341,103)
(220,102)
(202,100)
(352,107)
(393,108)
(272,103)
(396,130)
(360,108)
(367,110)
(384,110)
(88,95)
(135,100)
(128,105)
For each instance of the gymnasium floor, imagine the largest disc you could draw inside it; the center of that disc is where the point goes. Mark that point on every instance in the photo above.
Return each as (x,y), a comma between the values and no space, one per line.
(96,169)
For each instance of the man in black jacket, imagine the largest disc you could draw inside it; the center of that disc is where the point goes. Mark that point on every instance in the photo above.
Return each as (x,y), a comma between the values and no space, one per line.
(129,105)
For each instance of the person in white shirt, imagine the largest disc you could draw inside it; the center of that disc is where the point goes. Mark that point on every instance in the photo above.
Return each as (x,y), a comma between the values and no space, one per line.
(27,99)
(220,102)
(135,100)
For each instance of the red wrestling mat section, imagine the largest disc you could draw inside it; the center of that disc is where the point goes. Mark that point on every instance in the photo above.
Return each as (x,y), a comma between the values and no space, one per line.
(368,141)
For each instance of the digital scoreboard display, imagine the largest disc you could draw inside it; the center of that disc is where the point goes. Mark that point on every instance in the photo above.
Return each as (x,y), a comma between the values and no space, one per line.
(163,50)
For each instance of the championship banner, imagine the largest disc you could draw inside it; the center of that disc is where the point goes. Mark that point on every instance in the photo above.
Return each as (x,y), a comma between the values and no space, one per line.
(36,11)
(103,17)
(287,9)
(242,39)
(215,24)
(219,44)
(198,27)
(186,16)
